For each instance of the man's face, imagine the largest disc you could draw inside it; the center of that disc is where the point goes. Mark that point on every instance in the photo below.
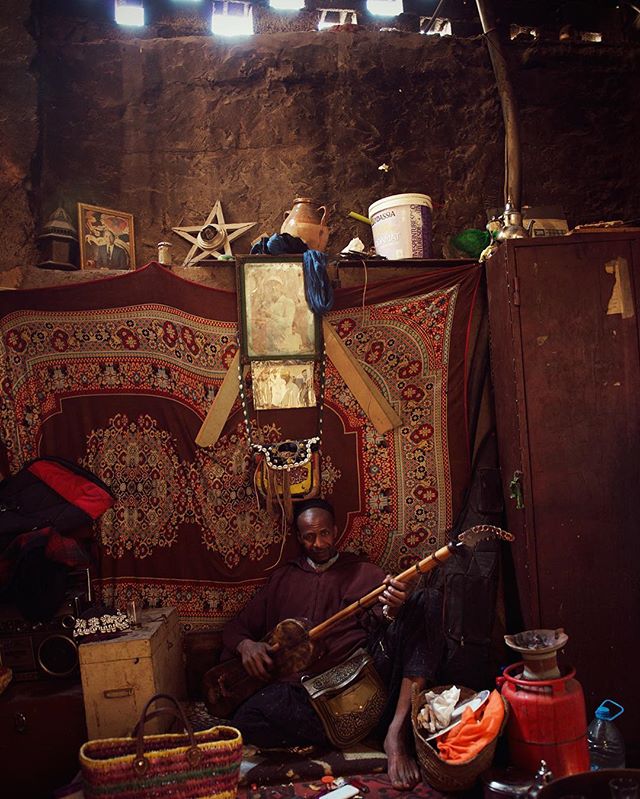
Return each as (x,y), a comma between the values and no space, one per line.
(273,290)
(317,534)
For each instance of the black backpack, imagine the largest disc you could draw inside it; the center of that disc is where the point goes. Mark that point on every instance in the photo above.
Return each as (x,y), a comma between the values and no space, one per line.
(41,506)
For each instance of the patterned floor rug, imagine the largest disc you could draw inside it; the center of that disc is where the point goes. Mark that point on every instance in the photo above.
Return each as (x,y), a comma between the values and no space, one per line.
(297,773)
(267,767)
(371,786)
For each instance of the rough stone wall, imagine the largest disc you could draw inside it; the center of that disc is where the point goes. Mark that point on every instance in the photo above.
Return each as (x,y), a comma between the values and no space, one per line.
(18,140)
(162,127)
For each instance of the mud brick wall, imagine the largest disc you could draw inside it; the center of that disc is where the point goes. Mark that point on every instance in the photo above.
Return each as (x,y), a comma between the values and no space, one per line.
(19,131)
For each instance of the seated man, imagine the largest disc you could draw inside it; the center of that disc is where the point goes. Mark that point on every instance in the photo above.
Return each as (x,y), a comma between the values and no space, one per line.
(314,586)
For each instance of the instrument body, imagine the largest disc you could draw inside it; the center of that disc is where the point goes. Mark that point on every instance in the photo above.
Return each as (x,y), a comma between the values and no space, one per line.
(228,684)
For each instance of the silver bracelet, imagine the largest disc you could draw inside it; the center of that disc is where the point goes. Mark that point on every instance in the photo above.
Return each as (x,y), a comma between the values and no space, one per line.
(386,614)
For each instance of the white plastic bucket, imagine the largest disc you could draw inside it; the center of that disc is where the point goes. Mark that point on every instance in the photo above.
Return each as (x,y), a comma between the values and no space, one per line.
(401,225)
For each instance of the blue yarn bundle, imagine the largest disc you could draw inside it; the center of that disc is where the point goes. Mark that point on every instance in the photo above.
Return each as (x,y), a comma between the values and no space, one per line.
(279,244)
(317,286)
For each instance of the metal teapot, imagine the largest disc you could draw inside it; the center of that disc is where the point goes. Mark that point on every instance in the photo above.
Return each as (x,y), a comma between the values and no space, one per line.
(511,227)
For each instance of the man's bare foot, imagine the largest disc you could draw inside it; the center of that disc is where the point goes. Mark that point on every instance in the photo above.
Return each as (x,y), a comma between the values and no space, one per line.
(402,768)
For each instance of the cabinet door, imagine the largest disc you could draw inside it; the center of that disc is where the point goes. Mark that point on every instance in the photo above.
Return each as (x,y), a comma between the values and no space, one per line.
(41,730)
(577,365)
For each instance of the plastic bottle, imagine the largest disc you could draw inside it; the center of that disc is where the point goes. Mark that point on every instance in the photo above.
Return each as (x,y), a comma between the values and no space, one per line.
(606,744)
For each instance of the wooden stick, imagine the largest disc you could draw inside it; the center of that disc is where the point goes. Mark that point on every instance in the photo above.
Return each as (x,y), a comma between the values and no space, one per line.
(425,565)
(219,411)
(368,395)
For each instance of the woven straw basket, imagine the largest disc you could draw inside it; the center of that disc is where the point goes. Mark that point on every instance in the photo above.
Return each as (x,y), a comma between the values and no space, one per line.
(189,765)
(440,774)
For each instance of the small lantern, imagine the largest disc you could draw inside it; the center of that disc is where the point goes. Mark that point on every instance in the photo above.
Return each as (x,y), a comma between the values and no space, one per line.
(58,242)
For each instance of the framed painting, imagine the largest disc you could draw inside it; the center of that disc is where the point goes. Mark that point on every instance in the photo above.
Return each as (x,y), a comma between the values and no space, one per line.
(275,321)
(107,239)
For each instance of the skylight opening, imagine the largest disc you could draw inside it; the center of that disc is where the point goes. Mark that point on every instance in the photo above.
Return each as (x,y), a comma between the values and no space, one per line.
(231,18)
(522,32)
(129,13)
(439,27)
(330,17)
(385,8)
(287,5)
(590,36)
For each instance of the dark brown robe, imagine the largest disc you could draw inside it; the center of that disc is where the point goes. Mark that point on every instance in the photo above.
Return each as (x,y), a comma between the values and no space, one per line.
(298,591)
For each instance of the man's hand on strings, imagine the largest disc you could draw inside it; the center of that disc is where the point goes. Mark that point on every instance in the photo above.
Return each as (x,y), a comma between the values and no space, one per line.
(394,595)
(256,658)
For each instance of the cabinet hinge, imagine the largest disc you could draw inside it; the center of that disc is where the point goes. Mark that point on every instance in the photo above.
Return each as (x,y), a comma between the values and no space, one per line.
(516,290)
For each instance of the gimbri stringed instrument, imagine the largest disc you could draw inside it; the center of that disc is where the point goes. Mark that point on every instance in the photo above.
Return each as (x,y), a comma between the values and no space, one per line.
(295,644)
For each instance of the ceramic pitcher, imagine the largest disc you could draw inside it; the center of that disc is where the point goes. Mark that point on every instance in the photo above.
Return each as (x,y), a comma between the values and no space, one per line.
(305,221)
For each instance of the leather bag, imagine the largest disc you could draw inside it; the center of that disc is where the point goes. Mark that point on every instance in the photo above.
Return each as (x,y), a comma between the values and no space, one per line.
(349,698)
(282,487)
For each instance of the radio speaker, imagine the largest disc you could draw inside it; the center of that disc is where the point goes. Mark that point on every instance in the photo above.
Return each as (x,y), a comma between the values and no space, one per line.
(39,650)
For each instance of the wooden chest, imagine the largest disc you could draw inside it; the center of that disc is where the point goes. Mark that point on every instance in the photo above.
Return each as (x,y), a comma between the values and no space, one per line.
(120,675)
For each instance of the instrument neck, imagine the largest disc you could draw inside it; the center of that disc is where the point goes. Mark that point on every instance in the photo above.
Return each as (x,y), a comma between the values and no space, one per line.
(422,567)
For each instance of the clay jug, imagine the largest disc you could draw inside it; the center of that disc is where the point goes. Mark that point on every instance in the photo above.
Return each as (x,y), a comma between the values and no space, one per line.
(305,221)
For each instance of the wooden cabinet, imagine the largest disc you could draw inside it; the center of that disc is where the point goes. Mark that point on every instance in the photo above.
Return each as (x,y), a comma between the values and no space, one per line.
(565,360)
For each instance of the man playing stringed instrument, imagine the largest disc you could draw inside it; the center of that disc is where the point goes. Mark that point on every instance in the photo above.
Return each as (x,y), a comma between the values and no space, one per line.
(320,582)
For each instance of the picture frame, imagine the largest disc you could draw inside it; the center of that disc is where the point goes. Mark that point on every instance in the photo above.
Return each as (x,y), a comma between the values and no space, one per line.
(282,384)
(276,324)
(107,238)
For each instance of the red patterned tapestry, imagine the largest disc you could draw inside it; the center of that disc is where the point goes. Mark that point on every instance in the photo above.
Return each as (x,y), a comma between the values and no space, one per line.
(118,374)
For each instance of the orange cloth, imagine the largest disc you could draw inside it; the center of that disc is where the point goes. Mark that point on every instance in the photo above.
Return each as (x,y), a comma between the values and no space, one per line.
(475,731)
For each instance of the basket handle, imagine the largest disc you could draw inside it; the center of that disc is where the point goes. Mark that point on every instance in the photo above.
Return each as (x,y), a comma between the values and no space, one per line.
(164,711)
(193,753)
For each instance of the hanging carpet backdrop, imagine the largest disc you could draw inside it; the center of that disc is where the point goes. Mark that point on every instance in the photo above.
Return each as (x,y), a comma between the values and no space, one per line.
(118,374)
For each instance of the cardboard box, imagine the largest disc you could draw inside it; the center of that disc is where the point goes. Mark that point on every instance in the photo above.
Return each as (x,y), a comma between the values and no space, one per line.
(119,675)
(544,220)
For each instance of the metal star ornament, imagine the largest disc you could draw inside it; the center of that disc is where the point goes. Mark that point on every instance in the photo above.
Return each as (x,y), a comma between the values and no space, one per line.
(213,237)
